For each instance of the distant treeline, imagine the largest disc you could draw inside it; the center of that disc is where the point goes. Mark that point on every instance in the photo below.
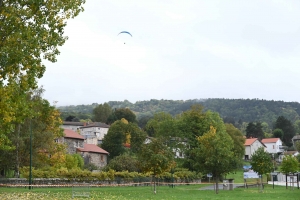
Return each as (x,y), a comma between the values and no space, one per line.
(232,110)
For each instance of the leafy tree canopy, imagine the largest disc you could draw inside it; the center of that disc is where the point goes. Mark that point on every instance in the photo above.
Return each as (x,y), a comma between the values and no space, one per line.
(261,162)
(288,129)
(289,164)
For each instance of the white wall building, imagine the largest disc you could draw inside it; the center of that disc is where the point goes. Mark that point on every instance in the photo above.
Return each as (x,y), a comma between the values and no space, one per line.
(94,130)
(251,146)
(274,145)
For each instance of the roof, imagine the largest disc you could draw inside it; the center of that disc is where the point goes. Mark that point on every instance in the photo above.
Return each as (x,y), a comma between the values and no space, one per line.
(73,123)
(250,141)
(96,124)
(270,140)
(92,148)
(296,137)
(72,134)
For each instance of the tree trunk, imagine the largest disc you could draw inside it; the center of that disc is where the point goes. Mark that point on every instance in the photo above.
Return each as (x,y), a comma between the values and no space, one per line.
(17,172)
(154,184)
(217,184)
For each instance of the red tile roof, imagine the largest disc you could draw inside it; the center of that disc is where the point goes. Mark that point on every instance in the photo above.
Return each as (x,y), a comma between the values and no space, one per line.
(270,140)
(72,134)
(250,141)
(92,148)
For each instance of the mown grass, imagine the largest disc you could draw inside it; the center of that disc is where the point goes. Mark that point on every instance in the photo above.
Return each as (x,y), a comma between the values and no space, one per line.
(187,192)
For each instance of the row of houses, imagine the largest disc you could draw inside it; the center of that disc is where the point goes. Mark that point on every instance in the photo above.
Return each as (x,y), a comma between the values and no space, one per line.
(83,138)
(271,145)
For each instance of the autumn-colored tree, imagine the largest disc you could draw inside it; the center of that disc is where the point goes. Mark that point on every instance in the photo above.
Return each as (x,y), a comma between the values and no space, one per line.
(156,158)
(30,32)
(44,126)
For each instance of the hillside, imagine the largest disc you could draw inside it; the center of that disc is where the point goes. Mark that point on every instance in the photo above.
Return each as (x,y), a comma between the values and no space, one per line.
(238,110)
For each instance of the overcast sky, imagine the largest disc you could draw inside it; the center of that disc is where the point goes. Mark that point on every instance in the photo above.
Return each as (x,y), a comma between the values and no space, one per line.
(180,50)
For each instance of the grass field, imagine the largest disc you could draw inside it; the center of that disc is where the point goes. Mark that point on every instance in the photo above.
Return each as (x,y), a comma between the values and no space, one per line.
(187,192)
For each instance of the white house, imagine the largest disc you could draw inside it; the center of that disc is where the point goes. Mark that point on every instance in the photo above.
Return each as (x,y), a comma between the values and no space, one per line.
(94,130)
(274,145)
(251,146)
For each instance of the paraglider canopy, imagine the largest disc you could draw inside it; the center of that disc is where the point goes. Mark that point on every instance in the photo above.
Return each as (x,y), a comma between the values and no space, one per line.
(126,32)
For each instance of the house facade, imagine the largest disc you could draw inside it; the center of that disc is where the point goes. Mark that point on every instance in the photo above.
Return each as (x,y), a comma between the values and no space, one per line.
(92,154)
(251,146)
(94,130)
(72,139)
(274,145)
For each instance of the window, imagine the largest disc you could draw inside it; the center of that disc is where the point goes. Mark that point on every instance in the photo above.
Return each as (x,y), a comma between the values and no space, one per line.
(101,158)
(273,146)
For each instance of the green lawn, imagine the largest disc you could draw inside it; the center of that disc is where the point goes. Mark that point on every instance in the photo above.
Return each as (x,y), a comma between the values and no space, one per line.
(163,192)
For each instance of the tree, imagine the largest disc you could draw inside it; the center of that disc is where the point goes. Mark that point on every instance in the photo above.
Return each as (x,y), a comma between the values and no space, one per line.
(289,164)
(30,31)
(120,134)
(120,113)
(44,127)
(156,158)
(124,162)
(261,162)
(101,113)
(215,153)
(288,129)
(255,130)
(238,142)
(297,126)
(278,133)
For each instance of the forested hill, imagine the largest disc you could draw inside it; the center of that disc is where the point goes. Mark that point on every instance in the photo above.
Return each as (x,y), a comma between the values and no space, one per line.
(243,110)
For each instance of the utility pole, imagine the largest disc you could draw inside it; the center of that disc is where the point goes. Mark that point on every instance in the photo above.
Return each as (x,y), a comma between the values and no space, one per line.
(30,158)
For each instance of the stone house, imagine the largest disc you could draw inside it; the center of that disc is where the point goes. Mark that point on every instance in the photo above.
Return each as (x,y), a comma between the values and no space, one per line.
(251,146)
(274,145)
(93,154)
(72,139)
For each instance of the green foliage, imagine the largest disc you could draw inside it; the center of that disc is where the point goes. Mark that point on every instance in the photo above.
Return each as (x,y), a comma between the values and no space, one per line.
(288,129)
(33,31)
(123,162)
(238,142)
(155,157)
(101,113)
(254,130)
(278,133)
(121,113)
(289,164)
(122,132)
(238,110)
(261,162)
(297,145)
(74,161)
